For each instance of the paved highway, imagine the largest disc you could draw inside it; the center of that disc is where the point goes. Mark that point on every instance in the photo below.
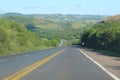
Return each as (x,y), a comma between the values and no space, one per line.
(65,63)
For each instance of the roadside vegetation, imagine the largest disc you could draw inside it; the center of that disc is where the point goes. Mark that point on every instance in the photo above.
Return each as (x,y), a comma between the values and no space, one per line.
(104,35)
(16,38)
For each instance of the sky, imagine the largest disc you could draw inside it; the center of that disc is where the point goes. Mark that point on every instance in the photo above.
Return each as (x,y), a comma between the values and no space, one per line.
(82,7)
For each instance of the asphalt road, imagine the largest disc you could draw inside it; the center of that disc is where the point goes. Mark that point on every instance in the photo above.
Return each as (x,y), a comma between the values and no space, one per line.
(65,63)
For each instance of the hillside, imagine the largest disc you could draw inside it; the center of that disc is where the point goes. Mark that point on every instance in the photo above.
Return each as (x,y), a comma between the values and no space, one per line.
(71,17)
(16,38)
(53,21)
(57,26)
(16,35)
(58,17)
(113,18)
(104,35)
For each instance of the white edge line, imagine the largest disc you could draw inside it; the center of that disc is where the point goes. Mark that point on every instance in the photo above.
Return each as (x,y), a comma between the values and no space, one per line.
(108,72)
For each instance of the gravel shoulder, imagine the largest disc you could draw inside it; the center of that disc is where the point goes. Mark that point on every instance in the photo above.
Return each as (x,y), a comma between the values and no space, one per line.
(110,63)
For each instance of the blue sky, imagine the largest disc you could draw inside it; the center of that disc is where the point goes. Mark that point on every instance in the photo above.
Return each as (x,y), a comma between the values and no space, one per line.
(83,7)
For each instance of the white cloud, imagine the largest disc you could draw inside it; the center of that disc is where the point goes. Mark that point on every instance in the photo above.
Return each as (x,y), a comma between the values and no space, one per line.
(30,7)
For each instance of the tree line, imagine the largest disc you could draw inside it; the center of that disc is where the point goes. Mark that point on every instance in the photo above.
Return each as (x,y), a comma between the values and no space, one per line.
(104,35)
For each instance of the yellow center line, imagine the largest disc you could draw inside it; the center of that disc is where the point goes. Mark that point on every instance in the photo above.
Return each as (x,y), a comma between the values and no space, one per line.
(32,67)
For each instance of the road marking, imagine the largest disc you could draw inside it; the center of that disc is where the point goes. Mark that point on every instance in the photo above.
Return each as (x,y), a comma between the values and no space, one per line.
(104,69)
(4,60)
(32,67)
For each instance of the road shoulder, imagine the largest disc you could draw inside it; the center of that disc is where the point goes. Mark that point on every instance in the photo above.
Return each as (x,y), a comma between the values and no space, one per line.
(112,64)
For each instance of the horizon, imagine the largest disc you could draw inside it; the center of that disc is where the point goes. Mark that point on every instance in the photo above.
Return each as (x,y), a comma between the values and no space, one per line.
(53,14)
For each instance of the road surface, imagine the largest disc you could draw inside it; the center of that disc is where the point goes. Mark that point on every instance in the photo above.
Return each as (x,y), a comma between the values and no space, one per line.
(65,63)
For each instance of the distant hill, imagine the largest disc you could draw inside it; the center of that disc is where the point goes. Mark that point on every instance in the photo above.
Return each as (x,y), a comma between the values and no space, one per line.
(113,18)
(71,17)
(38,22)
(59,17)
(11,14)
(53,21)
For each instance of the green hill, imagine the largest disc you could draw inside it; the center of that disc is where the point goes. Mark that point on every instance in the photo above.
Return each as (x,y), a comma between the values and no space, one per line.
(50,26)
(113,18)
(15,38)
(59,17)
(38,22)
(104,35)
(20,32)
(54,21)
